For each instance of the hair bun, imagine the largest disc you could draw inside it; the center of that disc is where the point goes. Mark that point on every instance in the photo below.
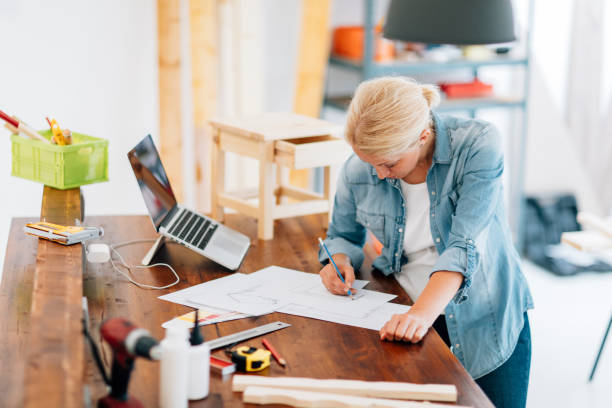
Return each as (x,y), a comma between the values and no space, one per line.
(431,95)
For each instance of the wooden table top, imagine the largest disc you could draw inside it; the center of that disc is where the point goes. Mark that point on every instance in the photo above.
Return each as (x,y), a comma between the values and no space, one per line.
(312,348)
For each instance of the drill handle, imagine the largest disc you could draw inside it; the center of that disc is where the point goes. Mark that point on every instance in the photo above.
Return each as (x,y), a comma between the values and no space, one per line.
(120,378)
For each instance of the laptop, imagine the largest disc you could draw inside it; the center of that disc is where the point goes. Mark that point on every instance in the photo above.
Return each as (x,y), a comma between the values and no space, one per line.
(197,232)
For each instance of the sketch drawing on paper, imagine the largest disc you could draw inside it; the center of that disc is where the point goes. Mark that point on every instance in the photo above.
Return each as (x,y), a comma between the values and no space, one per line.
(246,296)
(318,291)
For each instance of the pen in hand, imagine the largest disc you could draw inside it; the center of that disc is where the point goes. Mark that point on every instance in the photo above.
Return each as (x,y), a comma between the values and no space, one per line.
(335,266)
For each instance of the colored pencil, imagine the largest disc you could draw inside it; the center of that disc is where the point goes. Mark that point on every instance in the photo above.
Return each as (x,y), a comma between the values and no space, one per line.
(272,350)
(335,266)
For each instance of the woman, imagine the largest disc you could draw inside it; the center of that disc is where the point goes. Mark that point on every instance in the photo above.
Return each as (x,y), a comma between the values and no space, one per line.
(429,187)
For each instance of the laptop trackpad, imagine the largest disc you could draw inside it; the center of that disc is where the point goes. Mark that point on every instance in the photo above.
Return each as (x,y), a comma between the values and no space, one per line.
(222,241)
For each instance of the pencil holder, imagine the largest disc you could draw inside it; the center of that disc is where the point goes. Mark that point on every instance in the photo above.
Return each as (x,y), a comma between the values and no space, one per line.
(85,161)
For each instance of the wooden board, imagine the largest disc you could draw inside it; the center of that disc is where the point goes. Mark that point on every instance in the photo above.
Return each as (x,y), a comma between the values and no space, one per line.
(377,389)
(276,125)
(170,129)
(312,57)
(54,346)
(204,77)
(308,399)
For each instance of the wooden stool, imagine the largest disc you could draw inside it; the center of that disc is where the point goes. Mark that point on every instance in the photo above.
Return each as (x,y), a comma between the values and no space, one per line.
(280,141)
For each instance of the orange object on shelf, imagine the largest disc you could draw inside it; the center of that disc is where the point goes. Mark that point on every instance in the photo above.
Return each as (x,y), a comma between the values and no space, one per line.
(467,89)
(348,42)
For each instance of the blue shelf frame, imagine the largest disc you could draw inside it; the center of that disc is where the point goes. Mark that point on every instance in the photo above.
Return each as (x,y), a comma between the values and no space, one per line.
(368,69)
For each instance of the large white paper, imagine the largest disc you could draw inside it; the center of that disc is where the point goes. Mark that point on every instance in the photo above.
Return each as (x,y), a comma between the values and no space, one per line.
(273,288)
(373,320)
(182,298)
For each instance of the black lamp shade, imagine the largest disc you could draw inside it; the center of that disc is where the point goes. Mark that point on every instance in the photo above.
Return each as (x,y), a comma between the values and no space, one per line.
(461,22)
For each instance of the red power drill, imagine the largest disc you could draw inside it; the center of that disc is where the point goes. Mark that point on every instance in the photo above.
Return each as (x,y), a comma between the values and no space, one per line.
(127,342)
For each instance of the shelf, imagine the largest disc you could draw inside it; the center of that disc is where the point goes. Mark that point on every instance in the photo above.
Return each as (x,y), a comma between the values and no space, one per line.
(447,105)
(421,67)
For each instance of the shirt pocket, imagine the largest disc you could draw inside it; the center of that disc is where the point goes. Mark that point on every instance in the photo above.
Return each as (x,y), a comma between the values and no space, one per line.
(375,223)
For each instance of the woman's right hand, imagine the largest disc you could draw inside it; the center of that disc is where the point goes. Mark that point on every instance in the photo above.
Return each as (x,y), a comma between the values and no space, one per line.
(330,278)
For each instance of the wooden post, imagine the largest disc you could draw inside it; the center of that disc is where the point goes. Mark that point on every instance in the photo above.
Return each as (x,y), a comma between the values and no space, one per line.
(218,176)
(267,181)
(204,76)
(54,368)
(312,64)
(169,47)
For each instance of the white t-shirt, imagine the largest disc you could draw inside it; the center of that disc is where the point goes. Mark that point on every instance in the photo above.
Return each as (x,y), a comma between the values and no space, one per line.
(418,243)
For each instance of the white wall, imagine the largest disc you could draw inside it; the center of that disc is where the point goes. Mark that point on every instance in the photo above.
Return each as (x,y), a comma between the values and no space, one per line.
(92,65)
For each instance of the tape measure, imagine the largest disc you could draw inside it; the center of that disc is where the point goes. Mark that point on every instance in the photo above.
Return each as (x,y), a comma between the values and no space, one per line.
(250,359)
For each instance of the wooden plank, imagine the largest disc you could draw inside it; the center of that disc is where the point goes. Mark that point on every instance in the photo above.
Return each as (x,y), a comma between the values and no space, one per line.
(311,66)
(230,142)
(16,303)
(55,347)
(218,177)
(267,181)
(277,125)
(308,399)
(240,205)
(301,208)
(312,57)
(376,389)
(204,77)
(169,50)
(298,193)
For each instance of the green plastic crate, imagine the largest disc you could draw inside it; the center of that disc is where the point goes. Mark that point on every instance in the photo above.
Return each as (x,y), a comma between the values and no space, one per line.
(85,161)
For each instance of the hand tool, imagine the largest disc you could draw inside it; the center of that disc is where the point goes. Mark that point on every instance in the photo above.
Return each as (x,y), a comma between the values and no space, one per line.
(250,359)
(246,334)
(22,127)
(127,342)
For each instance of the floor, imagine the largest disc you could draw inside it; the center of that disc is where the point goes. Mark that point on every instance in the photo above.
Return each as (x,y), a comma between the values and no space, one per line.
(567,326)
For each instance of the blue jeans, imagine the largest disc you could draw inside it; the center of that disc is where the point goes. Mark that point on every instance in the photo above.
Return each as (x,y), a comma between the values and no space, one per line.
(506,386)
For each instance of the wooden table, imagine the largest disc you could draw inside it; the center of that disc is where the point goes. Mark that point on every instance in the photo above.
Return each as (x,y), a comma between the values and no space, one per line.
(313,348)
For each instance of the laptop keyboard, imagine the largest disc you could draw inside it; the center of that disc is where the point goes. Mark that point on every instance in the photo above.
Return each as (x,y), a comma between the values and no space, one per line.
(193,229)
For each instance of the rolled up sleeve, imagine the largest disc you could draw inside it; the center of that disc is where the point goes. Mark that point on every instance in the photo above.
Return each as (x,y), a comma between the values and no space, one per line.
(478,197)
(344,235)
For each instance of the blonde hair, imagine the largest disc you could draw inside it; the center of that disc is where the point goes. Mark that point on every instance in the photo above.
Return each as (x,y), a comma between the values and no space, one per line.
(387,115)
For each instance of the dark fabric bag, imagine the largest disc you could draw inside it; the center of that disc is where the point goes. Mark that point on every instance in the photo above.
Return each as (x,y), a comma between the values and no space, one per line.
(546,218)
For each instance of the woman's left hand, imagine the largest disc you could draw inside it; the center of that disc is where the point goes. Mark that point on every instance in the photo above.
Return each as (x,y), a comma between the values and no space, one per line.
(410,326)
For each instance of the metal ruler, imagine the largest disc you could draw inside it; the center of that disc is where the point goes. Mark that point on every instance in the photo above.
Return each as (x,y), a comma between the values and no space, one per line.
(246,334)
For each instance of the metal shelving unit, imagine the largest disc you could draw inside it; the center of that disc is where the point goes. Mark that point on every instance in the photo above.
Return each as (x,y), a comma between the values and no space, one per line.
(368,68)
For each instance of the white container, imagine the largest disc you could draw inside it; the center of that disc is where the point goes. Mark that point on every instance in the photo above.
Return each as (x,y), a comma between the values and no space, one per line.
(174,368)
(199,371)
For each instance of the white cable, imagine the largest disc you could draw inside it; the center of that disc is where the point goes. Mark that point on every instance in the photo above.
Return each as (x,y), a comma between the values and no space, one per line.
(128,267)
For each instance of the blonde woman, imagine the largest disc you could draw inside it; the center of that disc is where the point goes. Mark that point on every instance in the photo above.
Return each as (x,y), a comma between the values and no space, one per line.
(429,187)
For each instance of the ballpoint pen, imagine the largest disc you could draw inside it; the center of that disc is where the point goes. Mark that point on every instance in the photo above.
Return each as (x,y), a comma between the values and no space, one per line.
(335,266)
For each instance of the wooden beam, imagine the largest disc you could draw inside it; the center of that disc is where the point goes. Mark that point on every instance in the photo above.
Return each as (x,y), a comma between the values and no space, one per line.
(313,57)
(204,76)
(169,50)
(309,399)
(312,64)
(239,204)
(54,368)
(376,389)
(300,208)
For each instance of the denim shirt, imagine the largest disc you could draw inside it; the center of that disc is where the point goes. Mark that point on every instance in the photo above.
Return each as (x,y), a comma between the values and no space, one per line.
(469,229)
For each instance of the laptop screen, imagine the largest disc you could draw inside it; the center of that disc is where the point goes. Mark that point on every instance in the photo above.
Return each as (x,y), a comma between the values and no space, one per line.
(152,180)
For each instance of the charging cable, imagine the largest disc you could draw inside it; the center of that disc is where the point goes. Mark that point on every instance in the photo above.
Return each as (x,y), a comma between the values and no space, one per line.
(114,248)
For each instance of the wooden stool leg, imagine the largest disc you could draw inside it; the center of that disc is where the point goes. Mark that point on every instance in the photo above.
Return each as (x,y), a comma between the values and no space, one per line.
(218,177)
(329,189)
(282,179)
(267,179)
